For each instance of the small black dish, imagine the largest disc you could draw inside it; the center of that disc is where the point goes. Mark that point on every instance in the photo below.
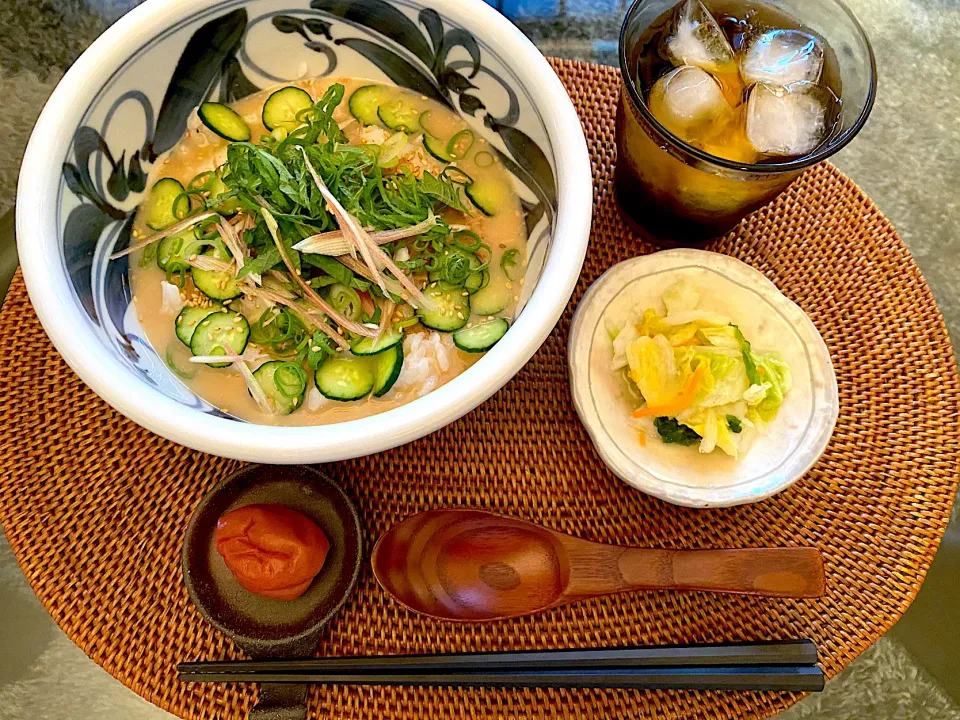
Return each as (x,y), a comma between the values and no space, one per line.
(261,627)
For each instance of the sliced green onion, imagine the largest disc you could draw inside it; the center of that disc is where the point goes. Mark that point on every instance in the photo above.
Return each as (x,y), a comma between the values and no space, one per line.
(456,267)
(460,144)
(511,263)
(474,240)
(180,373)
(488,253)
(202,182)
(177,277)
(483,159)
(346,301)
(477,281)
(456,175)
(290,380)
(181,206)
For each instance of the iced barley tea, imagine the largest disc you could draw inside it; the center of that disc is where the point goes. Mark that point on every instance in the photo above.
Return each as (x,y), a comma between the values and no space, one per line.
(746,89)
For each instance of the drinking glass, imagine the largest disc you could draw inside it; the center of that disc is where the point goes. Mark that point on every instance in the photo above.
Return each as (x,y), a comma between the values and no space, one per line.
(676,194)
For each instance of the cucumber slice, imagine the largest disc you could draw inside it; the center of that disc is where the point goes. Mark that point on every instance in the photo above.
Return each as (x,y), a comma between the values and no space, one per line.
(215,284)
(344,378)
(476,281)
(365,102)
(218,331)
(166,205)
(437,148)
(389,365)
(282,107)
(490,197)
(481,338)
(366,346)
(266,377)
(173,251)
(224,121)
(399,114)
(494,298)
(451,307)
(189,320)
(218,188)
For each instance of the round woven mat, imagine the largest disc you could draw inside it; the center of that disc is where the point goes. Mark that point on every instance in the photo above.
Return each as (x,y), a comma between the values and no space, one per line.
(95,506)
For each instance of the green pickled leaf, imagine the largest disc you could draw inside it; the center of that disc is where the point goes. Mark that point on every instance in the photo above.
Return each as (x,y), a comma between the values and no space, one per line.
(673,433)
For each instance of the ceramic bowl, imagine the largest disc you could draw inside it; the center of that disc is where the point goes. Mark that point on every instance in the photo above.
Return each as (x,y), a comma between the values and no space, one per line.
(792,442)
(126,100)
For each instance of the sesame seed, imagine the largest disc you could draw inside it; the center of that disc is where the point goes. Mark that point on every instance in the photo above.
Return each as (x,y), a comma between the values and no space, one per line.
(509,286)
(204,323)
(458,307)
(502,245)
(460,315)
(465,294)
(134,298)
(516,298)
(237,319)
(315,348)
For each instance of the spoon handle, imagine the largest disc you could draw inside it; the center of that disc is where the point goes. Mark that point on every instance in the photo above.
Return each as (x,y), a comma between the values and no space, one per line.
(773,572)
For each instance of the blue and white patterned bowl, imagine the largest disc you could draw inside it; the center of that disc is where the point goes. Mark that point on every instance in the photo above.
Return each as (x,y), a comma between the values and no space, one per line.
(126,100)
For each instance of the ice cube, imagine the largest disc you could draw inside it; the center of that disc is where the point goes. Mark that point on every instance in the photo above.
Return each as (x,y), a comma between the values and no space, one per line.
(787,120)
(781,57)
(696,39)
(687,100)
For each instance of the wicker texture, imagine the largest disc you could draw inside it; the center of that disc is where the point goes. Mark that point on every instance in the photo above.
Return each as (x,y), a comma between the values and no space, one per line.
(95,506)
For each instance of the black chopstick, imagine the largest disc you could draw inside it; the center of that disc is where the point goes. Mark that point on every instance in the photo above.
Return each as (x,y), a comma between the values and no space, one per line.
(788,666)
(791,678)
(790,652)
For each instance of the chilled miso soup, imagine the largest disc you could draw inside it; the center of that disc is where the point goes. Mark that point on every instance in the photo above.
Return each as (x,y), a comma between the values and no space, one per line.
(326,251)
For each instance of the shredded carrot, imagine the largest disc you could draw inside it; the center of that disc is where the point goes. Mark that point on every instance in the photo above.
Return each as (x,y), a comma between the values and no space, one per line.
(682,401)
(642,437)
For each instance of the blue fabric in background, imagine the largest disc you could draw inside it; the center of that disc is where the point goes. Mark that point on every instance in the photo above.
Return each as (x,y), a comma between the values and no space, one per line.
(517,9)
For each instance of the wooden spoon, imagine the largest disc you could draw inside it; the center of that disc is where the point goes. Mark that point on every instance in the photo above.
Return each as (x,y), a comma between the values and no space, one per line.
(469,565)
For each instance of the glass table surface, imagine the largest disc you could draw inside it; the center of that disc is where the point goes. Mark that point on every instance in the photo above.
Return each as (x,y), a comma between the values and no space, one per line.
(907,159)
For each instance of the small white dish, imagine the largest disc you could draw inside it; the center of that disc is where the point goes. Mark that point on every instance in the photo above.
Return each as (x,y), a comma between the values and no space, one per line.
(681,475)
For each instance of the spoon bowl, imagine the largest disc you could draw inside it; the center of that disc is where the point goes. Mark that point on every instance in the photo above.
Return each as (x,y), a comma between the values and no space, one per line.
(473,566)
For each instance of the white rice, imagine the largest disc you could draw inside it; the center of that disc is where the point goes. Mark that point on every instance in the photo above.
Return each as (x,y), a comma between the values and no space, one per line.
(426,357)
(172,302)
(315,400)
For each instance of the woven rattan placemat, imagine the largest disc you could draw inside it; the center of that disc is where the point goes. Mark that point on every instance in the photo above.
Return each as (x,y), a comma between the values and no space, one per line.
(95,506)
